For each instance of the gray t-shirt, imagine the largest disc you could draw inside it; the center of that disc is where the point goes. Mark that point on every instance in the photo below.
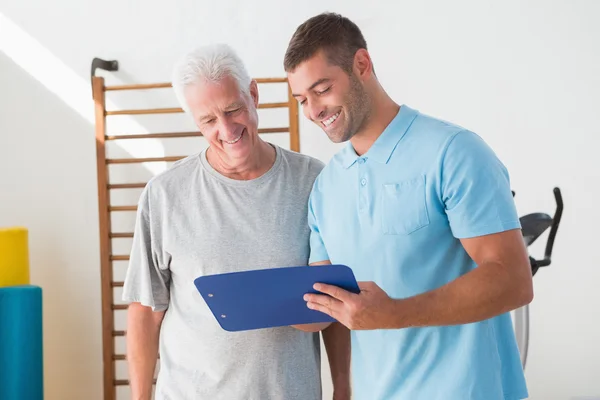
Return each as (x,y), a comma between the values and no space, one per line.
(193,221)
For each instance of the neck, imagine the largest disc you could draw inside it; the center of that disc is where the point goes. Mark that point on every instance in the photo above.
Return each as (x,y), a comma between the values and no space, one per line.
(383,111)
(258,163)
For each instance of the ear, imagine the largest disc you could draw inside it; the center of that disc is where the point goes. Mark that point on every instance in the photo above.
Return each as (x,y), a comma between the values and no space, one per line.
(363,66)
(254,92)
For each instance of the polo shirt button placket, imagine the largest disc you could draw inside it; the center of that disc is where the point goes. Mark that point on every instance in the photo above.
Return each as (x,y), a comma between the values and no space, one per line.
(362,200)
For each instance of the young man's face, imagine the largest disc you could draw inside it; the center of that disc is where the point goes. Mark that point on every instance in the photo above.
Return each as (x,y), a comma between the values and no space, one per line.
(330,97)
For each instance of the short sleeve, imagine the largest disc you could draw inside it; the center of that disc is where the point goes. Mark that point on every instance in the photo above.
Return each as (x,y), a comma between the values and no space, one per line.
(146,282)
(317,247)
(475,188)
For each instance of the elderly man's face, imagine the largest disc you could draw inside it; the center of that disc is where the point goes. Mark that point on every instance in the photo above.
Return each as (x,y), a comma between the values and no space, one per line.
(226,117)
(333,99)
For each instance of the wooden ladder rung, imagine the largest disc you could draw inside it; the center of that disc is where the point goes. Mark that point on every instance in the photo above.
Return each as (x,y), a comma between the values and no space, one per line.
(122,208)
(137,86)
(163,85)
(139,185)
(143,160)
(146,111)
(125,382)
(274,105)
(120,257)
(122,357)
(155,136)
(175,110)
(175,135)
(274,130)
(116,235)
(117,284)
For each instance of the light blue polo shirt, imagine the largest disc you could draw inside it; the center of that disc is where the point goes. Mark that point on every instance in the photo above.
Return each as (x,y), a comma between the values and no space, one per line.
(395,216)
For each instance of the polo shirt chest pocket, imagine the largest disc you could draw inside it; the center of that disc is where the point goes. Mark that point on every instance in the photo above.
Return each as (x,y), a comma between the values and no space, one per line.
(404,206)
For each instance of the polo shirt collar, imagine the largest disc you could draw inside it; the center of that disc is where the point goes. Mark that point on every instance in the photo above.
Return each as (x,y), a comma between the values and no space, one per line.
(386,143)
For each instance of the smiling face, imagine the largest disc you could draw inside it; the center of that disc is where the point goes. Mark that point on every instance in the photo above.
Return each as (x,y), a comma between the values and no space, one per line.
(330,97)
(227,118)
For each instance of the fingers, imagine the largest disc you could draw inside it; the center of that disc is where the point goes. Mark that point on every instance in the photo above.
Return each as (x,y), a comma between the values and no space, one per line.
(321,308)
(334,291)
(324,304)
(322,300)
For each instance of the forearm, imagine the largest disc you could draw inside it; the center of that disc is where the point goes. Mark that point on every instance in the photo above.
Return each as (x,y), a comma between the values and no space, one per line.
(336,339)
(482,293)
(318,327)
(143,327)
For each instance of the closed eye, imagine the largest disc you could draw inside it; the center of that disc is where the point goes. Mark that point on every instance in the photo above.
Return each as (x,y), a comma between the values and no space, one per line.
(323,91)
(232,111)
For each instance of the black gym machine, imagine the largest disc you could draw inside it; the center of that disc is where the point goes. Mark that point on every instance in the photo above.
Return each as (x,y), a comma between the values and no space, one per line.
(532,227)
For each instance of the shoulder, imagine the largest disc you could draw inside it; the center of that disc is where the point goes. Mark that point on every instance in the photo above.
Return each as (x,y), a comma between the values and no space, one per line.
(469,152)
(446,139)
(170,180)
(302,163)
(335,166)
(466,141)
(435,130)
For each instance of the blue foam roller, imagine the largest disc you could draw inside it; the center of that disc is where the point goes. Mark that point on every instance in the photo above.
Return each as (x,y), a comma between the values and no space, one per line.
(21,343)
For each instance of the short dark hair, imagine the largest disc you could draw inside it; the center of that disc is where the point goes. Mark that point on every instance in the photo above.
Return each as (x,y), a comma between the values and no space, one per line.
(336,35)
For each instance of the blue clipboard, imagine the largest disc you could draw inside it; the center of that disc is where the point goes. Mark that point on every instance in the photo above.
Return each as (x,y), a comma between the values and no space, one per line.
(269,298)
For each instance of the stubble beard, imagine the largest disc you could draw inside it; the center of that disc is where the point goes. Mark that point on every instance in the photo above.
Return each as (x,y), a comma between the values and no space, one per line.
(356,111)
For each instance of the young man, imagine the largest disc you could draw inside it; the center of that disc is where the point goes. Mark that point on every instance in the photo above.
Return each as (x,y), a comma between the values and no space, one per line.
(239,204)
(422,211)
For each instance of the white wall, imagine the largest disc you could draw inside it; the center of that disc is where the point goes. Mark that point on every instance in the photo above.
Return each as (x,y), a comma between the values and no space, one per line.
(523,75)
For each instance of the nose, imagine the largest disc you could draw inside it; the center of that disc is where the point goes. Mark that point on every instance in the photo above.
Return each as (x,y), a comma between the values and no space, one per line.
(229,130)
(314,110)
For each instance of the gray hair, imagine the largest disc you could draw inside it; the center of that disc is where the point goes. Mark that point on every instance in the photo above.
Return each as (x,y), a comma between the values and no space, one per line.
(209,63)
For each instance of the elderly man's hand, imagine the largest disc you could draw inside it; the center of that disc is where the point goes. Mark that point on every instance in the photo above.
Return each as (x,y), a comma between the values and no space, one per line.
(372,308)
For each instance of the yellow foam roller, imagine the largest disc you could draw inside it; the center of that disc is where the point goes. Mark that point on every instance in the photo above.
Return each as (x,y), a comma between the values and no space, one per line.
(14,256)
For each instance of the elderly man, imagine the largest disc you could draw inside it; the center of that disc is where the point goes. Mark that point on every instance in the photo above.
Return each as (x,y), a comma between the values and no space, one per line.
(240,204)
(422,211)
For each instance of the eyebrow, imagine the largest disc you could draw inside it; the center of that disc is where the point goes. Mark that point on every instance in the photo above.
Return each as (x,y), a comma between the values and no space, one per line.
(232,106)
(317,83)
